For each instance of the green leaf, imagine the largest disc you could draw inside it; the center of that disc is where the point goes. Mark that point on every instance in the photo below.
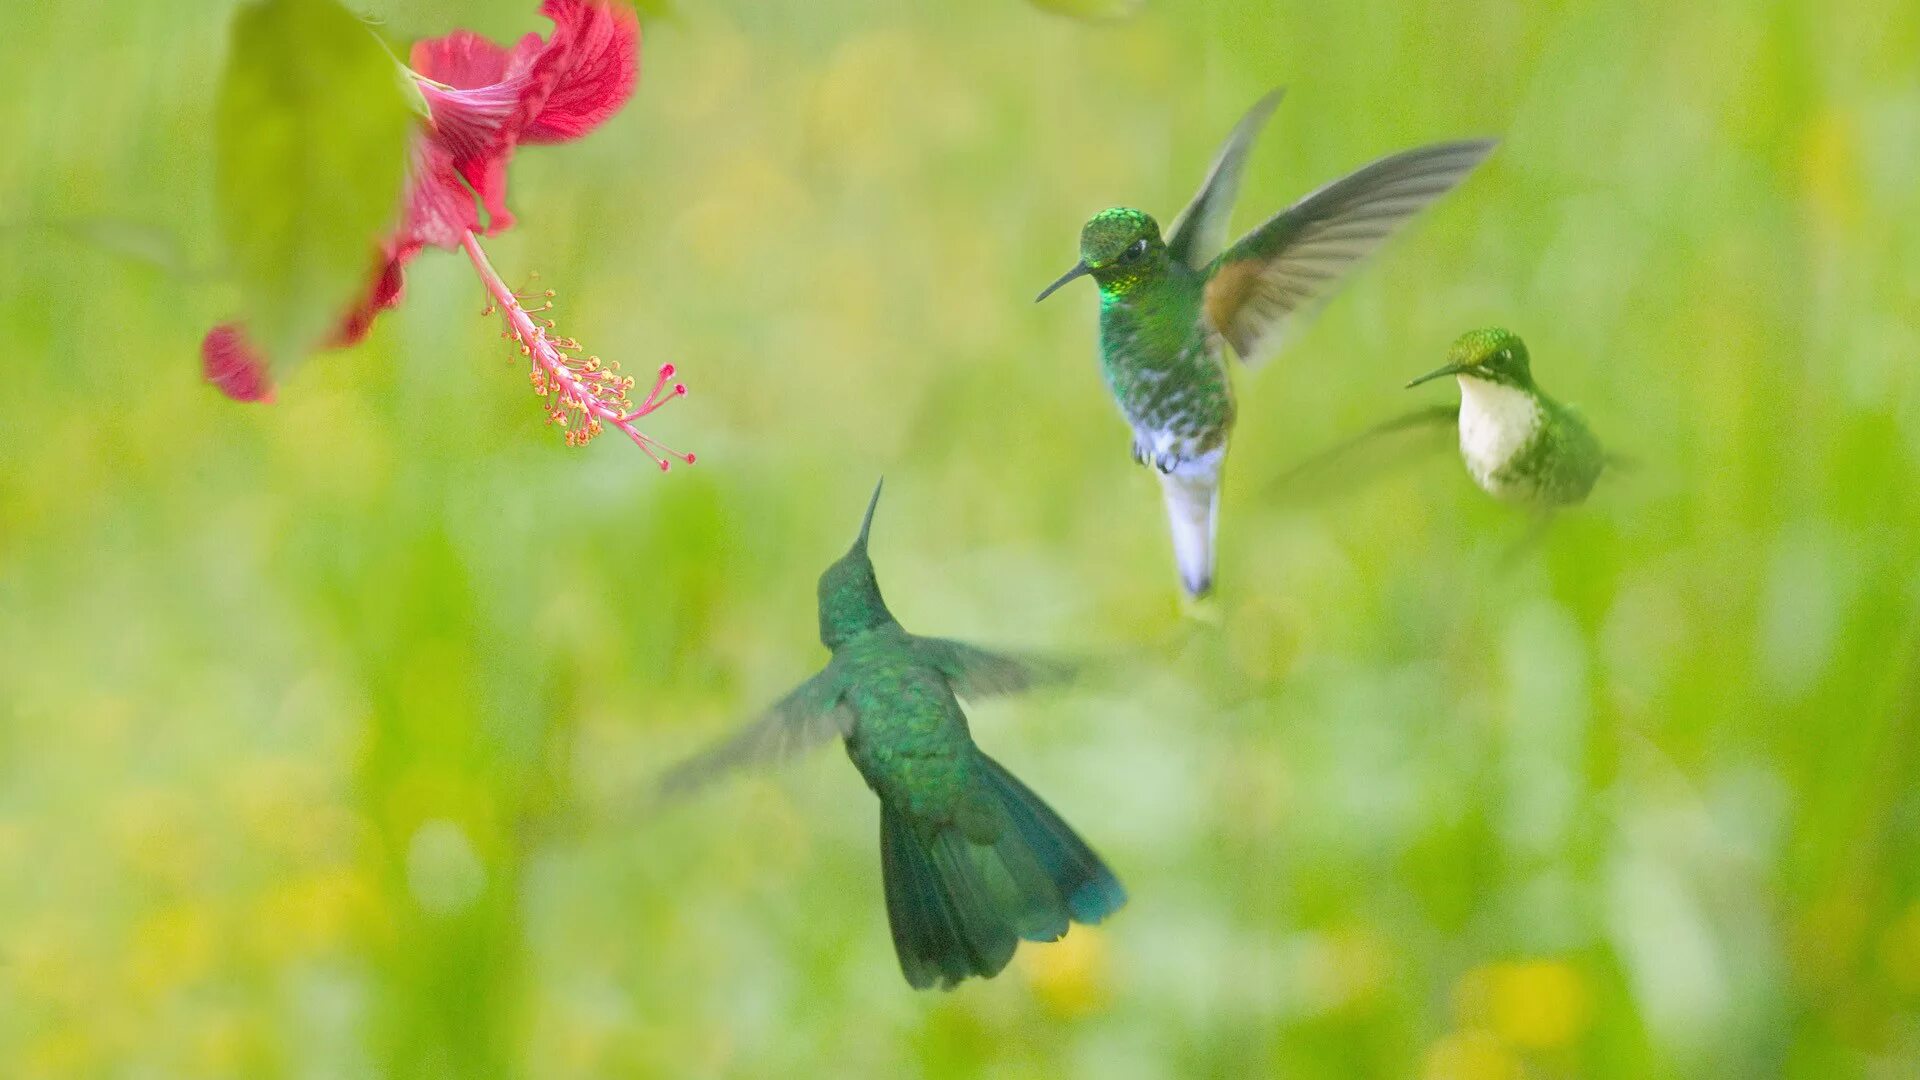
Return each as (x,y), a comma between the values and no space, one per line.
(1093,10)
(310,157)
(657,8)
(664,10)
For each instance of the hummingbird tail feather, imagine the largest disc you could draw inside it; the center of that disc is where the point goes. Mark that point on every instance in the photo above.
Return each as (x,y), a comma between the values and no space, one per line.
(1193,504)
(1078,875)
(959,908)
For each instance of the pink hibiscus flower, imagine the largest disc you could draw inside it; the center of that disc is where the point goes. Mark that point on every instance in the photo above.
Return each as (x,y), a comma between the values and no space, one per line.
(484,100)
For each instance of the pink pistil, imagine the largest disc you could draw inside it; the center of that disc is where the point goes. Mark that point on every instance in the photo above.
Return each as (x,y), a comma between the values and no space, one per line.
(581,385)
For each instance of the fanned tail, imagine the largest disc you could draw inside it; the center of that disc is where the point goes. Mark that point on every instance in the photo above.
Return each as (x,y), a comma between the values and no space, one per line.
(960,908)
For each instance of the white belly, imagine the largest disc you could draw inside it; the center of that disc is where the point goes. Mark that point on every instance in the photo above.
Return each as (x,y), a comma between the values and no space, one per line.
(1496,423)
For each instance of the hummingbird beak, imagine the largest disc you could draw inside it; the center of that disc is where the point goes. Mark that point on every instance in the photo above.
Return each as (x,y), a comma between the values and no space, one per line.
(866,524)
(1079,269)
(1450,369)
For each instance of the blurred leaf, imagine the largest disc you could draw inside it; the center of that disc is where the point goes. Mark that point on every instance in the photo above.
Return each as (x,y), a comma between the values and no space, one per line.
(1093,10)
(151,246)
(310,154)
(665,10)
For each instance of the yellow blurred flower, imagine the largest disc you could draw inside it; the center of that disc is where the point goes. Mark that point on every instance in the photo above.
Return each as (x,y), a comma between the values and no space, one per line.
(1530,1004)
(222,1044)
(1470,1055)
(169,949)
(154,832)
(282,806)
(1829,159)
(1900,950)
(310,914)
(1344,968)
(62,1052)
(1069,976)
(43,964)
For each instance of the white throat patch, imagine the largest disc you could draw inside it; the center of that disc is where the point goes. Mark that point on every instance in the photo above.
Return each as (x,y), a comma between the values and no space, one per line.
(1496,422)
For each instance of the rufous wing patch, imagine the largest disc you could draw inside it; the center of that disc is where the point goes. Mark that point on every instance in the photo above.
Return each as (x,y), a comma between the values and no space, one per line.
(1227,290)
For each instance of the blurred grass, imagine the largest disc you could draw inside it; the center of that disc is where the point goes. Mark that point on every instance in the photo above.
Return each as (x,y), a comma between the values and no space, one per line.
(324,726)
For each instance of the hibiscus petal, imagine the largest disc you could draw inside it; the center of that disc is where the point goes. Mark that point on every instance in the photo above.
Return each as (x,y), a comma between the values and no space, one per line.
(233,365)
(440,208)
(473,124)
(489,181)
(585,73)
(384,293)
(463,60)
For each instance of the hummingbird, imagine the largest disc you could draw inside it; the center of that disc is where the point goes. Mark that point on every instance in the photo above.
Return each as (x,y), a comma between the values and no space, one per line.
(1519,444)
(1169,305)
(972,861)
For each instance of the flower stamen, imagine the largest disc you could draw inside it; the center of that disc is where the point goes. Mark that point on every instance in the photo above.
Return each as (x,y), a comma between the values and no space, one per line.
(586,385)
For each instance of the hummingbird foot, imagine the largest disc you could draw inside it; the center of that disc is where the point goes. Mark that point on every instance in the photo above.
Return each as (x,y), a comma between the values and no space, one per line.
(1161,461)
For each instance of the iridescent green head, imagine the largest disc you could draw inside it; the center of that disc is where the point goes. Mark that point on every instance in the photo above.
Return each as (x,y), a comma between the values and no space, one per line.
(1120,247)
(850,600)
(1493,354)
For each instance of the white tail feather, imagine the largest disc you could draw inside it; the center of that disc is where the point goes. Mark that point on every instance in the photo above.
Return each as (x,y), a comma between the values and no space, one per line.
(1193,504)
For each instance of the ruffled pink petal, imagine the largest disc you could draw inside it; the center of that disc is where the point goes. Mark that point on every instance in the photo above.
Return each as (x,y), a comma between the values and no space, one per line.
(474,124)
(440,211)
(463,59)
(231,364)
(483,99)
(585,73)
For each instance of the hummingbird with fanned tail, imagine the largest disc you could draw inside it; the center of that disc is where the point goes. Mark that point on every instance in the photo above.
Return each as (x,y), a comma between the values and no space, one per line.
(1519,444)
(972,861)
(1170,305)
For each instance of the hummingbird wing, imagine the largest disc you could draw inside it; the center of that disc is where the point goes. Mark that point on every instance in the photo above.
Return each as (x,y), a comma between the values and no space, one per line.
(1200,231)
(974,672)
(813,713)
(1301,253)
(1346,465)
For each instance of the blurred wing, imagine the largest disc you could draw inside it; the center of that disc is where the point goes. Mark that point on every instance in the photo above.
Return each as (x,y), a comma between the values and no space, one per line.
(978,673)
(1349,464)
(1301,253)
(1200,231)
(812,714)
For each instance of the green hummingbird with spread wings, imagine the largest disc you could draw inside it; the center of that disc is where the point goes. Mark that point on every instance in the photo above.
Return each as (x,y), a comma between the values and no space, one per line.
(1169,306)
(973,862)
(1519,444)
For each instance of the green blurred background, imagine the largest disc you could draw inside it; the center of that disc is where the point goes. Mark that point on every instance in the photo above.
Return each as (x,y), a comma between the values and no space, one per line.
(326,727)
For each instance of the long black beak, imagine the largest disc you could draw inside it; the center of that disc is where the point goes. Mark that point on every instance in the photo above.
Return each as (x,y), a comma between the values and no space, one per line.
(866,524)
(1079,269)
(1450,369)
